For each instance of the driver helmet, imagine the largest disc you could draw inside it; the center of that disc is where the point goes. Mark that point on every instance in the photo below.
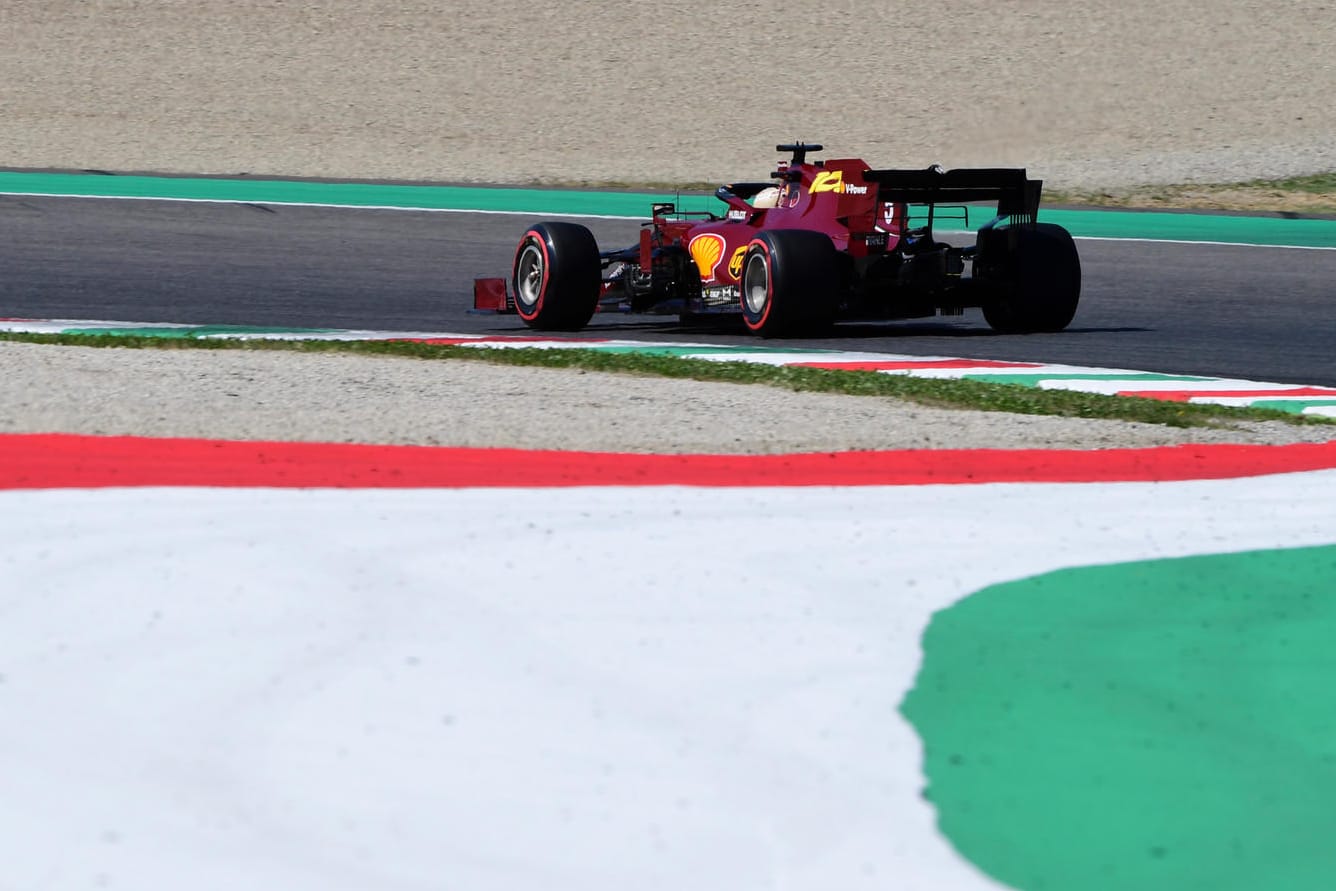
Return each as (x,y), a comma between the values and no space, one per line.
(767,197)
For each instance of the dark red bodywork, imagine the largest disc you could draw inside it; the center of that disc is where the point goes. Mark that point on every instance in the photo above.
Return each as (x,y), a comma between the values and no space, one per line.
(879,221)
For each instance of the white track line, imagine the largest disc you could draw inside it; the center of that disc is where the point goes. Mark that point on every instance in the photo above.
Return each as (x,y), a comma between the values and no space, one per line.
(594,216)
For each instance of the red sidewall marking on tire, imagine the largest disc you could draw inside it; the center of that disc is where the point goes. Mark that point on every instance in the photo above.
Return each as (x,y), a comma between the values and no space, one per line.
(45,461)
(542,286)
(769,286)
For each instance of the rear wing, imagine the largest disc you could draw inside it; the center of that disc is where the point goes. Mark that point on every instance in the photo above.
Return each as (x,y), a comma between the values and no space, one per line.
(1016,195)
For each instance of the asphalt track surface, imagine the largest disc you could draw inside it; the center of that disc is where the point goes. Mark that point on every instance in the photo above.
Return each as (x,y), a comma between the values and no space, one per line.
(1260,313)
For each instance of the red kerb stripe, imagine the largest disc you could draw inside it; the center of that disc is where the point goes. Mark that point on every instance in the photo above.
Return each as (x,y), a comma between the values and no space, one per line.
(1185,395)
(40,461)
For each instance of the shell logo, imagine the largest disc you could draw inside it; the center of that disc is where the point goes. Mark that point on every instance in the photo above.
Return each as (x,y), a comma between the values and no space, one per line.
(707,250)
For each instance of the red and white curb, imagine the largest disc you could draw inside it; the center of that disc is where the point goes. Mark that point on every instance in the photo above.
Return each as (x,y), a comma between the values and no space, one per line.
(338,667)
(1299,399)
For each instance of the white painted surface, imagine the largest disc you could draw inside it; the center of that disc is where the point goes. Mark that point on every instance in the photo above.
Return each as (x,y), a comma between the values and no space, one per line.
(499,689)
(1249,400)
(1037,371)
(1113,387)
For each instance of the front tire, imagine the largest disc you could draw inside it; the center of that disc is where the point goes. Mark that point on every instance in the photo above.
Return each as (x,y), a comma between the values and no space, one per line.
(788,283)
(1042,286)
(557,277)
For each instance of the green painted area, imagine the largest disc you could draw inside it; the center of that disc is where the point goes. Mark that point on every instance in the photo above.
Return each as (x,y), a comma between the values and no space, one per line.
(1194,227)
(1295,406)
(740,352)
(537,202)
(1033,380)
(193,332)
(410,197)
(1167,724)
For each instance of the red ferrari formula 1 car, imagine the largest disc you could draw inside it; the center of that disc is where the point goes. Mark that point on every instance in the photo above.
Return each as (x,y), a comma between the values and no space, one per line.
(823,241)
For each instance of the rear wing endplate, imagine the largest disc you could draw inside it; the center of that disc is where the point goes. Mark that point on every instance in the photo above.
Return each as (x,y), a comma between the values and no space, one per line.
(1016,195)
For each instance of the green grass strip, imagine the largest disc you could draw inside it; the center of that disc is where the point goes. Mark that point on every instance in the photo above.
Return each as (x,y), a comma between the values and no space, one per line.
(178,332)
(955,394)
(1312,184)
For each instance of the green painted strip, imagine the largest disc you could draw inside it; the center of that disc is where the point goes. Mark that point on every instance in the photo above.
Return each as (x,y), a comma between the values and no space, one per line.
(1195,227)
(741,352)
(415,197)
(1033,380)
(1082,223)
(1166,724)
(1162,226)
(1296,406)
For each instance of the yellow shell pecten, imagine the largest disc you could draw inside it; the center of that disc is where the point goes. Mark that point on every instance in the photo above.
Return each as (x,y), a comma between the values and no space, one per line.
(706,250)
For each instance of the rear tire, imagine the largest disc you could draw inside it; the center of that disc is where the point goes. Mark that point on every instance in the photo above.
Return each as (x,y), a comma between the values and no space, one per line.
(789,281)
(557,277)
(1042,286)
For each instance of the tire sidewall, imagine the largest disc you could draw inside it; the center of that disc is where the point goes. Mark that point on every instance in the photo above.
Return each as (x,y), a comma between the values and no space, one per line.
(801,283)
(758,322)
(1046,288)
(532,237)
(571,282)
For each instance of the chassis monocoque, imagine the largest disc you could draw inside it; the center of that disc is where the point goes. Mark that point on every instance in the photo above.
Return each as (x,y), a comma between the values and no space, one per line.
(823,241)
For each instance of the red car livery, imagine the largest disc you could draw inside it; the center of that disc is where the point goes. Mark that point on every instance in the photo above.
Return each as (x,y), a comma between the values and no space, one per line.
(820,242)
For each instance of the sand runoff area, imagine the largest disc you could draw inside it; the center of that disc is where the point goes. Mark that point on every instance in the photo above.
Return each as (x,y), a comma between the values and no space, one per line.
(1104,92)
